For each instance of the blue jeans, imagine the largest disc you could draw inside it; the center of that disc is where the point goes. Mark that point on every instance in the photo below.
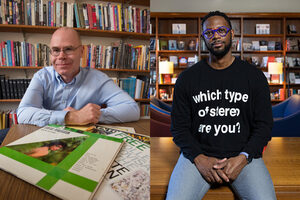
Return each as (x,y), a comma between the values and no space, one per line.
(253,183)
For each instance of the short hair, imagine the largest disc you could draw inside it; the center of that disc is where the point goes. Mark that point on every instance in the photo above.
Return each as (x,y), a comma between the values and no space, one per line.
(57,142)
(216,13)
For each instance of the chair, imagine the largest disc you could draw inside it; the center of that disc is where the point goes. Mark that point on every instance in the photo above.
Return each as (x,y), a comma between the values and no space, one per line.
(287,118)
(160,118)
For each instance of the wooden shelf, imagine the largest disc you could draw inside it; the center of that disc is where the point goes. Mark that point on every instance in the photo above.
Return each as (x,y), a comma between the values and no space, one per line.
(143,100)
(264,52)
(264,36)
(292,35)
(10,100)
(294,85)
(81,31)
(276,101)
(167,101)
(178,35)
(293,68)
(132,2)
(100,69)
(124,70)
(293,51)
(16,67)
(207,52)
(276,84)
(166,84)
(177,51)
(18,100)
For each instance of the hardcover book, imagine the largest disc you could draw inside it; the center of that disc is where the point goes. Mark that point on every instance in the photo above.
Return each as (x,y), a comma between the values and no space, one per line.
(61,161)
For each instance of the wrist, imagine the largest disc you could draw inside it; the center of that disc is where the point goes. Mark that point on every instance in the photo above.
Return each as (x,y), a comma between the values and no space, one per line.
(70,118)
(246,155)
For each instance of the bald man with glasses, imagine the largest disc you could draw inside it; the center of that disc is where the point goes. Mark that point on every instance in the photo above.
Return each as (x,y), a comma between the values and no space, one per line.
(67,94)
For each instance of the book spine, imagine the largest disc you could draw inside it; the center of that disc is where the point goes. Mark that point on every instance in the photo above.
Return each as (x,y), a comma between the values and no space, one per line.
(94,17)
(85,14)
(76,15)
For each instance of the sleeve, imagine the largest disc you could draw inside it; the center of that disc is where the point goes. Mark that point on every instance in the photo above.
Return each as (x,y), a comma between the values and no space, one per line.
(120,106)
(262,120)
(181,123)
(31,110)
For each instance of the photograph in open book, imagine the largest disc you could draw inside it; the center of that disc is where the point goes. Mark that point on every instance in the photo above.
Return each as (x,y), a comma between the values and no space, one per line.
(52,151)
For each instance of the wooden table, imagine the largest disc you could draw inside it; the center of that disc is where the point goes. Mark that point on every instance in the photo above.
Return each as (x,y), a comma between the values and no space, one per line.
(282,158)
(13,188)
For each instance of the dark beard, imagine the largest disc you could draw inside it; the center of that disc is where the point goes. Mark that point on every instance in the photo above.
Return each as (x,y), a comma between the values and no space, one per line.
(219,54)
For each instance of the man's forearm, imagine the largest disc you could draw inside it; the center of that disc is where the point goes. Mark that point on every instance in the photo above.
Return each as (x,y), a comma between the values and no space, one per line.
(125,112)
(40,117)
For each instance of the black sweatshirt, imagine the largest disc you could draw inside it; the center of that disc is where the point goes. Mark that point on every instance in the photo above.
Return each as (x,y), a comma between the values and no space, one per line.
(221,113)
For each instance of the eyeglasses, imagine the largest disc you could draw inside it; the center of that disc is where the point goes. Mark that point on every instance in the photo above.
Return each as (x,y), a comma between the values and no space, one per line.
(210,33)
(67,50)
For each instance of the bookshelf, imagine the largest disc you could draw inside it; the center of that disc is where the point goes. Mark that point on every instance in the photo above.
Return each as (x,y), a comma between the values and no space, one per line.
(33,34)
(244,26)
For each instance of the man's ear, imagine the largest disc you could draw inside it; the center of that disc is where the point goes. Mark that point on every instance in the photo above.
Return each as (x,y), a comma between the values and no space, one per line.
(232,34)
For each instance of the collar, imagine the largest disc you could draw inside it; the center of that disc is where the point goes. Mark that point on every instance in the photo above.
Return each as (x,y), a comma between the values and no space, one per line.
(75,80)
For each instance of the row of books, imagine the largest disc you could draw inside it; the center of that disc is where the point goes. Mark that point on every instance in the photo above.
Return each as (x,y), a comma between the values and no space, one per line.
(16,53)
(280,94)
(116,56)
(103,16)
(262,45)
(144,110)
(136,86)
(192,44)
(292,44)
(262,61)
(294,77)
(292,61)
(7,119)
(278,79)
(12,88)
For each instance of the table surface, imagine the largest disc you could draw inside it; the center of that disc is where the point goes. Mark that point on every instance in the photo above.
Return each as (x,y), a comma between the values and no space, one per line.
(14,188)
(282,158)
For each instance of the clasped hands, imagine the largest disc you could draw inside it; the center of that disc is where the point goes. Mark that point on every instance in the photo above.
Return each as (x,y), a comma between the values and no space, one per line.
(89,114)
(219,170)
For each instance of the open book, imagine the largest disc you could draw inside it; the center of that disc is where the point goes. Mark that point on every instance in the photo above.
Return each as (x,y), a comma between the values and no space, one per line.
(61,161)
(129,176)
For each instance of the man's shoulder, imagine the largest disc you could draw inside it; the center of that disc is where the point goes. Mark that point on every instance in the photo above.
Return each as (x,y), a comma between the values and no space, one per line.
(193,70)
(247,66)
(95,74)
(45,72)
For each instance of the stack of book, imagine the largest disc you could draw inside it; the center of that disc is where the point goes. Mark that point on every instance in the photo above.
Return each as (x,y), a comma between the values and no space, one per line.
(102,16)
(12,88)
(15,53)
(116,56)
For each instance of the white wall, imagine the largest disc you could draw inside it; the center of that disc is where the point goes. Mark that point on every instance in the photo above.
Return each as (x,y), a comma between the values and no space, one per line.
(225,5)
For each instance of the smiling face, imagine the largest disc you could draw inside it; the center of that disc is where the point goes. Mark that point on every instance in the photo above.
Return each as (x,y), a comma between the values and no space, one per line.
(66,65)
(55,147)
(217,45)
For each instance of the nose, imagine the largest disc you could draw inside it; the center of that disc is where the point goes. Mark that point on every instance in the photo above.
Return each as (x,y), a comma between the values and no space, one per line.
(62,54)
(216,36)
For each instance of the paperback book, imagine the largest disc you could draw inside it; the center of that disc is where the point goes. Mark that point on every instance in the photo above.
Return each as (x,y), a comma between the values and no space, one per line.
(129,176)
(61,161)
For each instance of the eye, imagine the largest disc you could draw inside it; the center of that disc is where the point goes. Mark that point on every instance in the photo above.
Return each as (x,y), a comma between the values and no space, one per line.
(208,32)
(55,51)
(222,30)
